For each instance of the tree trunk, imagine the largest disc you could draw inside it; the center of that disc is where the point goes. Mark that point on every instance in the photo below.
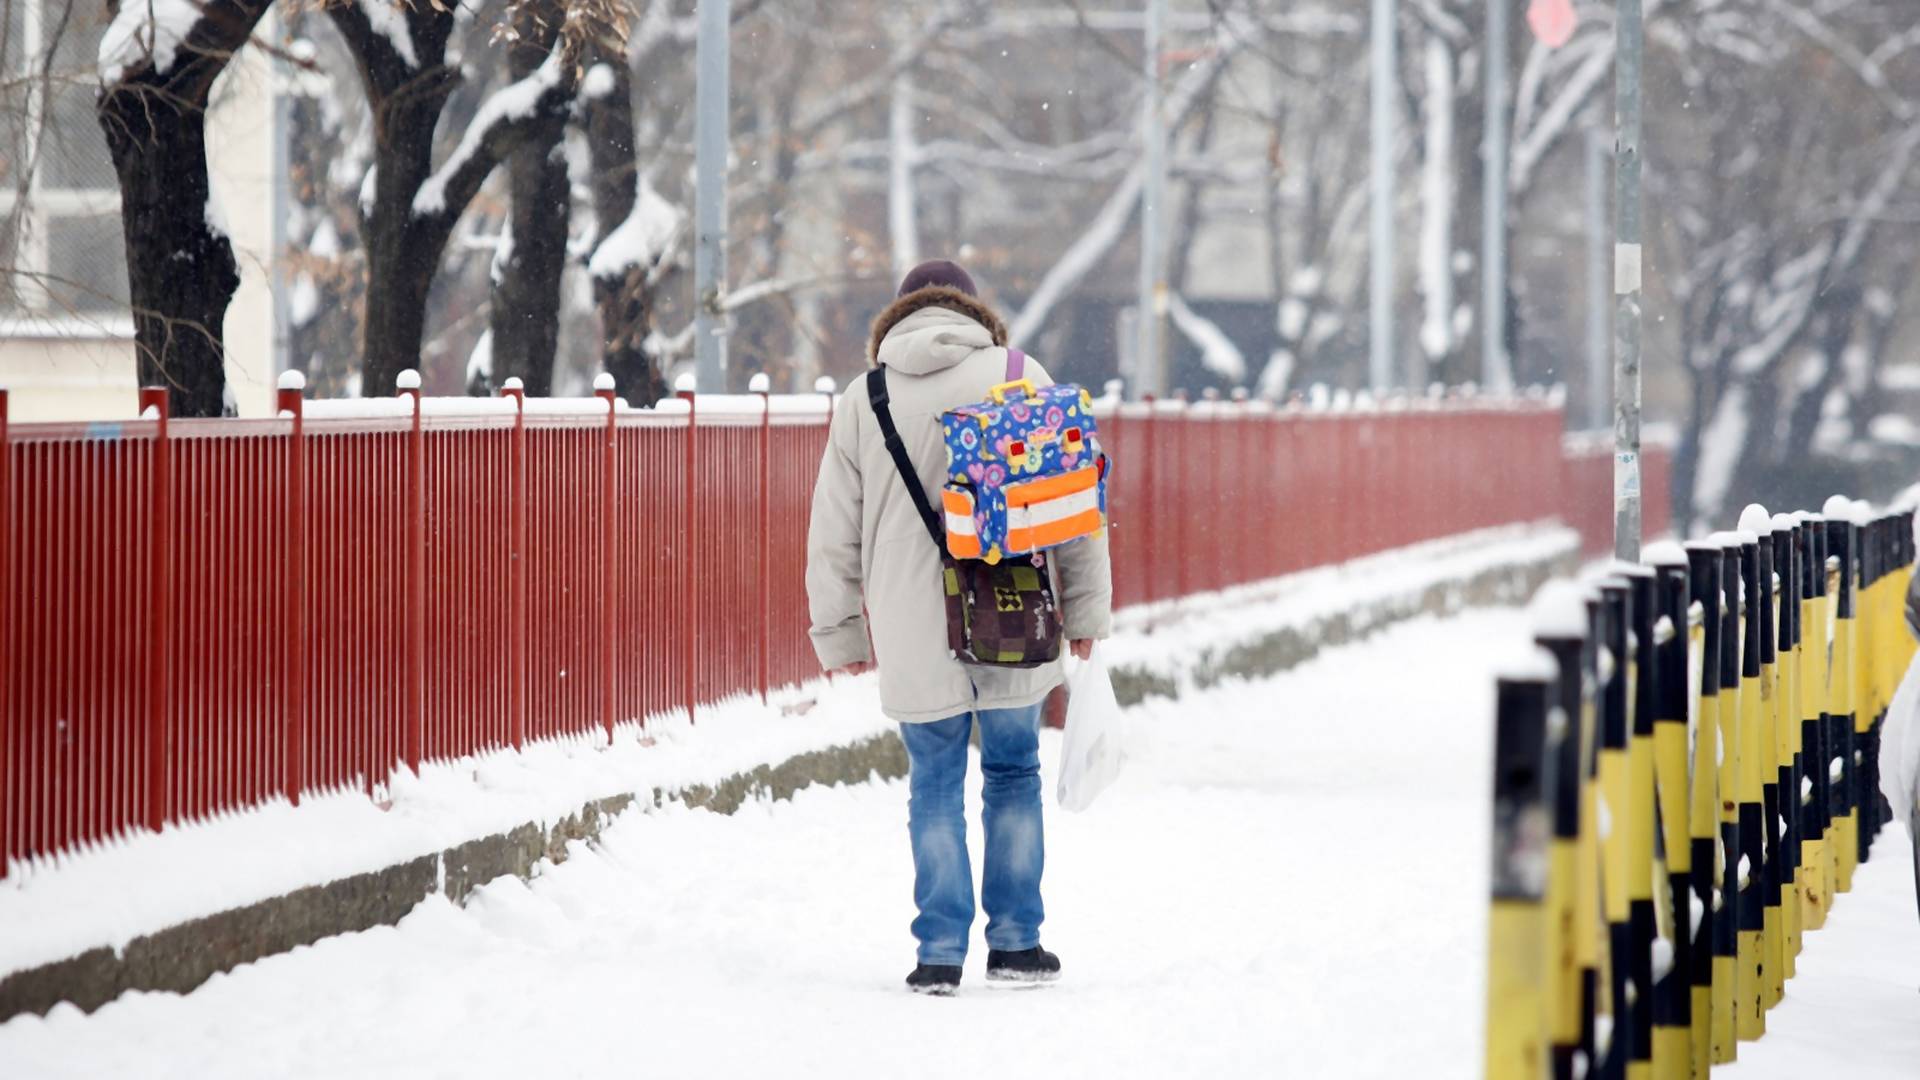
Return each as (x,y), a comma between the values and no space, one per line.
(525,309)
(625,303)
(181,270)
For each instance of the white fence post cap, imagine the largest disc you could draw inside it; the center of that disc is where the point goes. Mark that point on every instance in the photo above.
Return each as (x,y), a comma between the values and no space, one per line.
(760,383)
(407,380)
(603,381)
(685,383)
(824,385)
(292,379)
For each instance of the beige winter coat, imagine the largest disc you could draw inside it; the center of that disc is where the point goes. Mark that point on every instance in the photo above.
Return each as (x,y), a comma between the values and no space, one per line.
(941,349)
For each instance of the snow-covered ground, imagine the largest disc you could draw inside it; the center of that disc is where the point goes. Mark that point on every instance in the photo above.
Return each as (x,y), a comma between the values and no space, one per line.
(1287,882)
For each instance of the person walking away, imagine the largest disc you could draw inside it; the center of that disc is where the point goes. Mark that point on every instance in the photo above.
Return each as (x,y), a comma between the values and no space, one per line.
(877,599)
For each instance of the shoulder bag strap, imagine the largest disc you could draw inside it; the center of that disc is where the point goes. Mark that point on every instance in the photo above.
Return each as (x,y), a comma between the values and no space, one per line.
(877,395)
(1016,365)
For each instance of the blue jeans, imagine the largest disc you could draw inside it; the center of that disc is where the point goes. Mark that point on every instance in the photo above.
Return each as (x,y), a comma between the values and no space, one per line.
(937,823)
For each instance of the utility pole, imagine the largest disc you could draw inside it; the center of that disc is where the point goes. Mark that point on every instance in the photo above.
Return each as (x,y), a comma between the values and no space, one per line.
(1495,373)
(1599,309)
(710,196)
(1382,241)
(1628,46)
(1151,357)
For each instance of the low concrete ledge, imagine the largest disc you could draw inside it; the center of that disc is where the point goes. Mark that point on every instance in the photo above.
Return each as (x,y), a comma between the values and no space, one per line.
(182,957)
(1286,647)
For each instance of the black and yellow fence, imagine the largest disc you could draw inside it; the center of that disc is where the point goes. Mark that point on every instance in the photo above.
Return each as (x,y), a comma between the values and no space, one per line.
(1685,776)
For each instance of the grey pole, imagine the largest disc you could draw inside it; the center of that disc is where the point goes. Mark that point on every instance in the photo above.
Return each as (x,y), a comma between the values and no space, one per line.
(1626,282)
(710,196)
(1382,254)
(1495,374)
(1599,309)
(1151,359)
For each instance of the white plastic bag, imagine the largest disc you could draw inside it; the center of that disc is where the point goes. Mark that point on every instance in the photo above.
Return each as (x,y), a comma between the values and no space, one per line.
(1095,743)
(1900,749)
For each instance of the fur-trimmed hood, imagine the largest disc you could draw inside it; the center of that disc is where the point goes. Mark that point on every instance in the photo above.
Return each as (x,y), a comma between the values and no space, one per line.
(937,296)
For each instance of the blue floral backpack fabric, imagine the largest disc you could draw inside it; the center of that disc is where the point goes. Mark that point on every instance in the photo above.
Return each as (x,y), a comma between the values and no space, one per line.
(1025,470)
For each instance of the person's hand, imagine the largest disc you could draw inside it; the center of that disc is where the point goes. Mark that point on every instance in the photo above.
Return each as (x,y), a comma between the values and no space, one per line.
(858,667)
(1082,648)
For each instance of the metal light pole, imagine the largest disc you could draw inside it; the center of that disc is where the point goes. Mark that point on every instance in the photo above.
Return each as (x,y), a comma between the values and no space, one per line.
(1626,281)
(1382,254)
(1599,310)
(1495,373)
(1151,359)
(710,196)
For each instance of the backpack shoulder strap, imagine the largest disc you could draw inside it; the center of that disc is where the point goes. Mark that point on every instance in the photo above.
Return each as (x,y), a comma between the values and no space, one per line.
(1016,365)
(878,397)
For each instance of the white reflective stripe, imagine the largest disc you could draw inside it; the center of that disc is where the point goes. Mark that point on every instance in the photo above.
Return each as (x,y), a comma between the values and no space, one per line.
(960,523)
(1052,510)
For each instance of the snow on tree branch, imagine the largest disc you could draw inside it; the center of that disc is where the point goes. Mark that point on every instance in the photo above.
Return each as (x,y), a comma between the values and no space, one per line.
(644,239)
(388,19)
(151,35)
(503,119)
(1218,353)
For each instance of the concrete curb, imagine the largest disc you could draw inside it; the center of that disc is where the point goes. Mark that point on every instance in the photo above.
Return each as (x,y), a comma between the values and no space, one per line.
(1290,646)
(184,956)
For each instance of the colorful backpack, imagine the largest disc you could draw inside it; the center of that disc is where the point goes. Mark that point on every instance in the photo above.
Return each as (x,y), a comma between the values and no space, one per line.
(1025,467)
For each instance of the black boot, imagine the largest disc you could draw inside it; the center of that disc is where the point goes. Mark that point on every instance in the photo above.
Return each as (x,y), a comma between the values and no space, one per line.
(1027,965)
(937,979)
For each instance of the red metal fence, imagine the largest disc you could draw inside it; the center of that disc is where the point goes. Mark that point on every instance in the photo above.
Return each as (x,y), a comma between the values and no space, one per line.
(200,615)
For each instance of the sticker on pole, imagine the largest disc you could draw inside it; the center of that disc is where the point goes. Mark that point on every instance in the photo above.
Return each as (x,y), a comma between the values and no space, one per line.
(1553,21)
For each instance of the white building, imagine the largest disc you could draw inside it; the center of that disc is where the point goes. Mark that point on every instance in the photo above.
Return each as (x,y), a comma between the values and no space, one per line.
(66,336)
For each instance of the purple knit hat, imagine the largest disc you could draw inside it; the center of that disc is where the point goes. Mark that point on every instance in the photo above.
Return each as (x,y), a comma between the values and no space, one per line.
(936,272)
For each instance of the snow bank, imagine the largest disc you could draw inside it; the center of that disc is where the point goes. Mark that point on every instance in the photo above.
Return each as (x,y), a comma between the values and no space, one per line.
(111,893)
(1173,637)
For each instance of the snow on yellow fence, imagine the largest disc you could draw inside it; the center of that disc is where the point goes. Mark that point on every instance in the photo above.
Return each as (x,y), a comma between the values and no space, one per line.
(1685,776)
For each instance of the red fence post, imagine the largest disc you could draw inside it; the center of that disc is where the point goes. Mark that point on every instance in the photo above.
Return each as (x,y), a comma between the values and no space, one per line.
(603,388)
(762,385)
(293,631)
(9,788)
(689,537)
(159,608)
(1148,507)
(414,738)
(517,565)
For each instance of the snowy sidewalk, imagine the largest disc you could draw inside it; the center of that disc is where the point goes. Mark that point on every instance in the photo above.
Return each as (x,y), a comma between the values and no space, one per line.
(1287,883)
(1853,1005)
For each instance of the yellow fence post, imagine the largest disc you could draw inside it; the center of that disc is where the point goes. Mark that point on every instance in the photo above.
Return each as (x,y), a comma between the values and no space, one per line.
(1786,701)
(1704,566)
(1615,825)
(1843,678)
(1672,962)
(1643,862)
(1726,938)
(1516,926)
(1563,625)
